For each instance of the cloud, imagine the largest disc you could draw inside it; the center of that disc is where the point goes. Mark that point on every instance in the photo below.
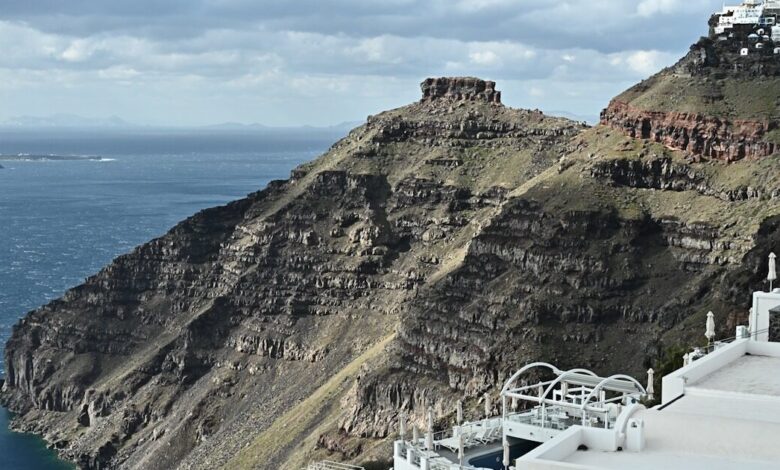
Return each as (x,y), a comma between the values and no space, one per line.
(652,7)
(244,55)
(643,63)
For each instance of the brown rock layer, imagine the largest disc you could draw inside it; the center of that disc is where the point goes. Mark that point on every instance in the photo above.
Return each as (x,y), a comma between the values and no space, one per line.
(700,136)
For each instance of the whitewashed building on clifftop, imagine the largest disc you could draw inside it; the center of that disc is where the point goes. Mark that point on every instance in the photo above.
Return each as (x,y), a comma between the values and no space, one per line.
(751,13)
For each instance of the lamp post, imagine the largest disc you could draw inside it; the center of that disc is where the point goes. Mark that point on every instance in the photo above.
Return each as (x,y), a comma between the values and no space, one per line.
(402,425)
(429,434)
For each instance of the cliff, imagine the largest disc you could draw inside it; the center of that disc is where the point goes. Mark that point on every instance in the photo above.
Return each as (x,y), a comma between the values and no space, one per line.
(184,351)
(422,259)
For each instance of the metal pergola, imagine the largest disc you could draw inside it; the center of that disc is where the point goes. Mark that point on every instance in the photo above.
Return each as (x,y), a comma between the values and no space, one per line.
(577,392)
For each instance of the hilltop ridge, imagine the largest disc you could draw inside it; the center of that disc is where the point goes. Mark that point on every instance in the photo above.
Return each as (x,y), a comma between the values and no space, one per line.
(720,101)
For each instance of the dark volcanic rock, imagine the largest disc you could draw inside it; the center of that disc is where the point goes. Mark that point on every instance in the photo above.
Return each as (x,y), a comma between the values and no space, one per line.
(460,88)
(183,351)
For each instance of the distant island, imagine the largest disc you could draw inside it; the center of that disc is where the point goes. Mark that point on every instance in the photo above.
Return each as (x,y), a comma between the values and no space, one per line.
(49,158)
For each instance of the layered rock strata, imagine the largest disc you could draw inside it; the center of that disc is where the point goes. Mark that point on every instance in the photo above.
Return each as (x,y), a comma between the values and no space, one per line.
(467,88)
(715,103)
(698,135)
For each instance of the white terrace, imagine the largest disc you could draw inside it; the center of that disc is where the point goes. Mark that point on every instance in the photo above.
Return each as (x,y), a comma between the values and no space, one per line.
(549,407)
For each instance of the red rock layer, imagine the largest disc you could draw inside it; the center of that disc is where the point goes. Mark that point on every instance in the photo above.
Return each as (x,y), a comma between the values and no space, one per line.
(699,135)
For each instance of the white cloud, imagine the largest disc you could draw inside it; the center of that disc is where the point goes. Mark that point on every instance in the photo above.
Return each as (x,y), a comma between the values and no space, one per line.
(470,6)
(652,7)
(235,52)
(118,72)
(78,51)
(488,58)
(648,62)
(649,8)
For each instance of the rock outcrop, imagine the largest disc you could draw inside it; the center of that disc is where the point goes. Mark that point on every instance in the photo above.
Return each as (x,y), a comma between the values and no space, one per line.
(699,135)
(460,88)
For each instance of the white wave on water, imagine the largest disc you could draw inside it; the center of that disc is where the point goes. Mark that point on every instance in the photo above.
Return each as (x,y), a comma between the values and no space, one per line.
(41,158)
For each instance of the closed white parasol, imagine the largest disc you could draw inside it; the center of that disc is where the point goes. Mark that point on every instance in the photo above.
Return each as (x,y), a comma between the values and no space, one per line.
(710,332)
(429,434)
(650,389)
(772,276)
(459,412)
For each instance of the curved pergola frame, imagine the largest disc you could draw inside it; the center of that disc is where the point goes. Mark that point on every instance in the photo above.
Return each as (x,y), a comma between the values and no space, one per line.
(563,377)
(590,398)
(628,378)
(524,369)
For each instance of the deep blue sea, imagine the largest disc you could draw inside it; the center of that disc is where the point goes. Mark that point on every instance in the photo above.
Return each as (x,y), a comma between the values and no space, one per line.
(61,221)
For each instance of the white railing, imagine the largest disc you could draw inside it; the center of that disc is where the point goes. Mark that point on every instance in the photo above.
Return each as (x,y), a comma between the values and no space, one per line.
(328,465)
(475,433)
(415,454)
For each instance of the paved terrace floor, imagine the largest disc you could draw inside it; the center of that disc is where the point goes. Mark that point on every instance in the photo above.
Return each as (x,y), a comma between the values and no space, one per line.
(752,375)
(728,420)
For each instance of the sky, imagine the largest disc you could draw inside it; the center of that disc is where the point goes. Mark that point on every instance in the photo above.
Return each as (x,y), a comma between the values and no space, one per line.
(323,62)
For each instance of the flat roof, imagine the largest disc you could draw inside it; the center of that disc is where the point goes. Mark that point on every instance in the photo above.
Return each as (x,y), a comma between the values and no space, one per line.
(752,410)
(654,460)
(749,375)
(681,440)
(725,420)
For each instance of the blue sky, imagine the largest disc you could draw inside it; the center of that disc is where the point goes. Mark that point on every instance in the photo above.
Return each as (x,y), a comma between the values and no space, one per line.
(321,62)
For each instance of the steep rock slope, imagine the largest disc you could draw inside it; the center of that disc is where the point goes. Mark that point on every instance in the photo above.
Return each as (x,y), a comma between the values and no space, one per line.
(262,313)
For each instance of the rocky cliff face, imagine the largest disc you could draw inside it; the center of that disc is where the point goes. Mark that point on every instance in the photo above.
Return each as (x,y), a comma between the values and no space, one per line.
(421,260)
(699,135)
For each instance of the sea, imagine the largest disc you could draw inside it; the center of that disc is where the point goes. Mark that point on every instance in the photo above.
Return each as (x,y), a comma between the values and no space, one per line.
(65,217)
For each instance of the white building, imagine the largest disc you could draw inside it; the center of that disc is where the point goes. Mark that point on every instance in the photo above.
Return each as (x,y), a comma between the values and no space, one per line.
(750,13)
